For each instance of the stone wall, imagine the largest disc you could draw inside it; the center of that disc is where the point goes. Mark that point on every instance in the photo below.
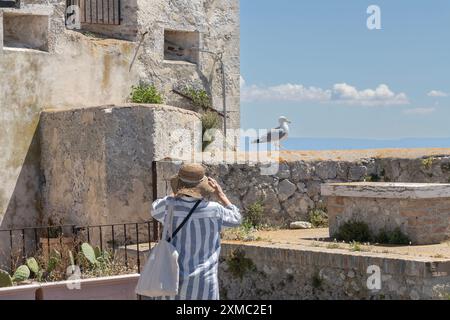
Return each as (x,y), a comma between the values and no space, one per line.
(282,272)
(218,24)
(97,162)
(420,211)
(291,193)
(86,72)
(76,71)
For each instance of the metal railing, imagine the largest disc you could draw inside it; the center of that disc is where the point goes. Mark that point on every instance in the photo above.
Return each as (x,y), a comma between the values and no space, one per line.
(98,11)
(16,245)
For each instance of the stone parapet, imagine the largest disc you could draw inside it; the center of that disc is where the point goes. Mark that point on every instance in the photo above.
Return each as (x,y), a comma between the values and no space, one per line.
(286,272)
(420,211)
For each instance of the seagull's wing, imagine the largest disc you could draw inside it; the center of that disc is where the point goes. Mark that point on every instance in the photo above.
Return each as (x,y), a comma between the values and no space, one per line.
(274,135)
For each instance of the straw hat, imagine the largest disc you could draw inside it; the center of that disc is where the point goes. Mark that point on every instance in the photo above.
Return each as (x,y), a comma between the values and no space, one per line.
(191,181)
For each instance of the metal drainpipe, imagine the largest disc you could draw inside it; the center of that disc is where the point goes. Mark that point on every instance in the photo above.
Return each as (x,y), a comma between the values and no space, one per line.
(224,89)
(224,94)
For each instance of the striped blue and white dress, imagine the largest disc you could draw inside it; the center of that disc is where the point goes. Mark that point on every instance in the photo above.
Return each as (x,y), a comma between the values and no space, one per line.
(198,243)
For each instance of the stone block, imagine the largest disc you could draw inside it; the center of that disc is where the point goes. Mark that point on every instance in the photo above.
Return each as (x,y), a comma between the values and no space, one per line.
(97,162)
(388,206)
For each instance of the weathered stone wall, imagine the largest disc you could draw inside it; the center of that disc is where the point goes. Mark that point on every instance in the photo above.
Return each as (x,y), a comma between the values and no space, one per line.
(287,273)
(419,211)
(291,193)
(218,25)
(84,71)
(97,162)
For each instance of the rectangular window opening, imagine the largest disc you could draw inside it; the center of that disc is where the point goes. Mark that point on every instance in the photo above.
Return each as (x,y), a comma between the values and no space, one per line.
(181,46)
(25,31)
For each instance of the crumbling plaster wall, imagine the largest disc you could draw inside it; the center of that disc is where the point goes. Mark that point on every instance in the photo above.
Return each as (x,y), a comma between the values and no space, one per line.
(80,71)
(97,162)
(77,71)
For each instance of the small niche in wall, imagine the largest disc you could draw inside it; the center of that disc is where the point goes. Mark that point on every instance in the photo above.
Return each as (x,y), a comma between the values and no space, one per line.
(25,31)
(181,46)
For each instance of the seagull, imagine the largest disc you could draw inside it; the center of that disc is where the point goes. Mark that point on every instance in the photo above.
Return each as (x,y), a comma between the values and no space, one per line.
(277,135)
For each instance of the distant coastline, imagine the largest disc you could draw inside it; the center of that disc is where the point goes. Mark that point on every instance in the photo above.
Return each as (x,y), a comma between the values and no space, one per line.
(357,144)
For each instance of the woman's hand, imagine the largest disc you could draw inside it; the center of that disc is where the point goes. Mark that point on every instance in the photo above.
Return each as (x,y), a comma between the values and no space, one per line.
(218,191)
(216,186)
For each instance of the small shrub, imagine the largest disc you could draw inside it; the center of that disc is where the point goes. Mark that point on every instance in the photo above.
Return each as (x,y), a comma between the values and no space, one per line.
(428,163)
(255,215)
(334,245)
(239,265)
(200,98)
(245,233)
(372,178)
(318,218)
(354,231)
(395,237)
(146,94)
(355,246)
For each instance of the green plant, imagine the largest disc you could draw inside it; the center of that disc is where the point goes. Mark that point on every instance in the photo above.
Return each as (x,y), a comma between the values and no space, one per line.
(372,178)
(428,163)
(54,260)
(5,279)
(33,265)
(21,274)
(395,237)
(200,98)
(146,94)
(354,231)
(245,233)
(89,253)
(333,246)
(239,265)
(318,218)
(210,122)
(355,246)
(317,281)
(254,216)
(95,257)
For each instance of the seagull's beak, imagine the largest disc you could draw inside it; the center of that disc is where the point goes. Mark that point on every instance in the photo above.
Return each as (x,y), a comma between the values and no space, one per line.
(289,121)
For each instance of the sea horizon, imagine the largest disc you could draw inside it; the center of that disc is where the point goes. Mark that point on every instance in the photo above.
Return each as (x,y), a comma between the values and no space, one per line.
(318,144)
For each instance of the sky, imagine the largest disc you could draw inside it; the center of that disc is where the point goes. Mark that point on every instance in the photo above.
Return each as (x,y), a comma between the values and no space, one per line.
(317,62)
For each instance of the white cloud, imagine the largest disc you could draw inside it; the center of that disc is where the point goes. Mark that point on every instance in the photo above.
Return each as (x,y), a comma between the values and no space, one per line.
(437,94)
(341,93)
(419,111)
(382,95)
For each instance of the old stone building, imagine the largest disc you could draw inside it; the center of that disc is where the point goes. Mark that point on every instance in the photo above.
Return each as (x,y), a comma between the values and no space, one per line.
(50,63)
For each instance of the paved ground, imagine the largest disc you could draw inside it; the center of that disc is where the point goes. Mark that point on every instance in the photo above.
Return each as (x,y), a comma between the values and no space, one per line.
(318,238)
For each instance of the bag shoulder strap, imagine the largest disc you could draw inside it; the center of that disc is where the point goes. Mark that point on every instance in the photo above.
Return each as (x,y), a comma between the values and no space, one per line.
(185,220)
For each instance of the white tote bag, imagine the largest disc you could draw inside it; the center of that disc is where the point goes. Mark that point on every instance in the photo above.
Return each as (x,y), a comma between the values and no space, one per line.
(161,274)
